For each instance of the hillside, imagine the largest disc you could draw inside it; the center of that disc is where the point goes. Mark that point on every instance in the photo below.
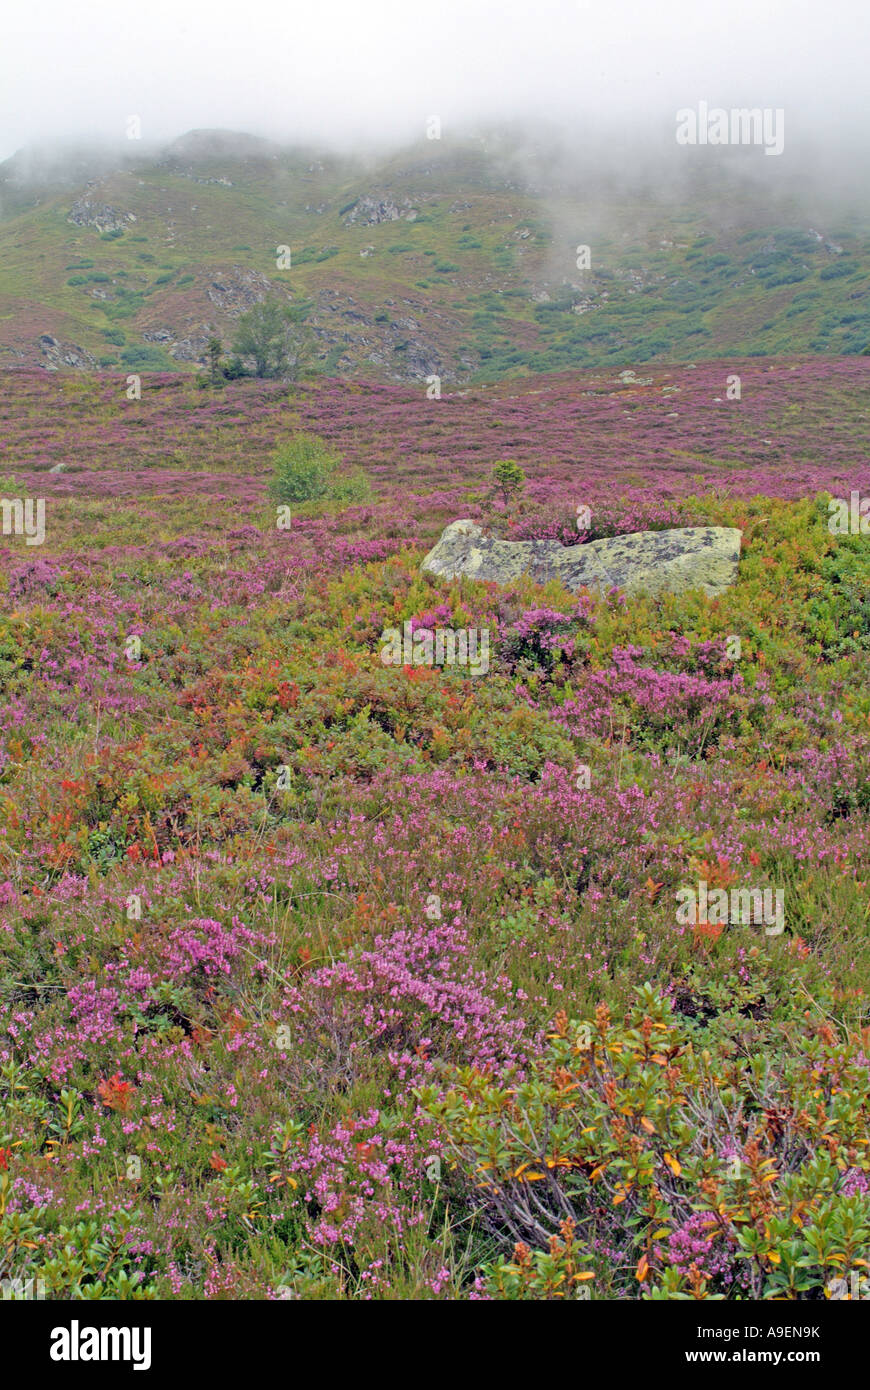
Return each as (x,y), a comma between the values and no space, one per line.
(323,978)
(452,257)
(331,977)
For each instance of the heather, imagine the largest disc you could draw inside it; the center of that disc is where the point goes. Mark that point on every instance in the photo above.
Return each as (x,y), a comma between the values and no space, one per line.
(324,978)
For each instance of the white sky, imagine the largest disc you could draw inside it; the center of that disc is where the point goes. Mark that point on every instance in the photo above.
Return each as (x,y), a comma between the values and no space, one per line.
(352,70)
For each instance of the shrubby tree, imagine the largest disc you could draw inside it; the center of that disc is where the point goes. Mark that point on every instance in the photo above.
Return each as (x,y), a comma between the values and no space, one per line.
(303,466)
(269,338)
(508,478)
(306,470)
(146,357)
(234,368)
(215,368)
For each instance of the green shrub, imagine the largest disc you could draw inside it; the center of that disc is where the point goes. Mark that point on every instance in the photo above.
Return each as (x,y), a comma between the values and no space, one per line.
(307,470)
(303,469)
(508,477)
(742,1141)
(352,487)
(146,358)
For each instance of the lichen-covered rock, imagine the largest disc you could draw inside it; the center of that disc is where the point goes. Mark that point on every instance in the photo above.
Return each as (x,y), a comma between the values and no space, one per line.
(88,212)
(368,212)
(654,562)
(237,288)
(57,355)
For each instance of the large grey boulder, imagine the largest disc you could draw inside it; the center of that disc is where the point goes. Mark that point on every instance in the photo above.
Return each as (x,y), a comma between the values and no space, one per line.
(653,562)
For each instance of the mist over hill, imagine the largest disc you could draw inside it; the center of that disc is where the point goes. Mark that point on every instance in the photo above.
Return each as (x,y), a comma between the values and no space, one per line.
(459,256)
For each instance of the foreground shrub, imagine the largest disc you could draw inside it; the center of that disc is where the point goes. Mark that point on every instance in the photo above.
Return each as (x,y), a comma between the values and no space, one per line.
(729,1161)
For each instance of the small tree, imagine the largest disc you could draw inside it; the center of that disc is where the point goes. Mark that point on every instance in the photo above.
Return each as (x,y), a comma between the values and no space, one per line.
(215,370)
(304,466)
(268,336)
(307,470)
(508,477)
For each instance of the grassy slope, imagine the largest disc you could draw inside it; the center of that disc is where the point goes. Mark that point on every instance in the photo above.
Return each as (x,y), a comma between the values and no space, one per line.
(701,272)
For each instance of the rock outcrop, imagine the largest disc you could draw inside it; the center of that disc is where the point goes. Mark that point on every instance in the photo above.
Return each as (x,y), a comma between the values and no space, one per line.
(88,212)
(57,355)
(654,562)
(369,212)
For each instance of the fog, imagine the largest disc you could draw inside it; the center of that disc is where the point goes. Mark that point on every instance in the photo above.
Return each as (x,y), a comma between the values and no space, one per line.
(370,73)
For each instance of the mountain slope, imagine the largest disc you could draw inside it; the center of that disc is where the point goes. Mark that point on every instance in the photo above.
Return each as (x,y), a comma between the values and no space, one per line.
(452,258)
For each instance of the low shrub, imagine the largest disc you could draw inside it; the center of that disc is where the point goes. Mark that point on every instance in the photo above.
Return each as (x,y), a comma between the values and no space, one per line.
(671,1158)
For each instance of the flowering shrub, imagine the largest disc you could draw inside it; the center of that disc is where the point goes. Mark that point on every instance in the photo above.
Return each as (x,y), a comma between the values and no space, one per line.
(540,636)
(416,996)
